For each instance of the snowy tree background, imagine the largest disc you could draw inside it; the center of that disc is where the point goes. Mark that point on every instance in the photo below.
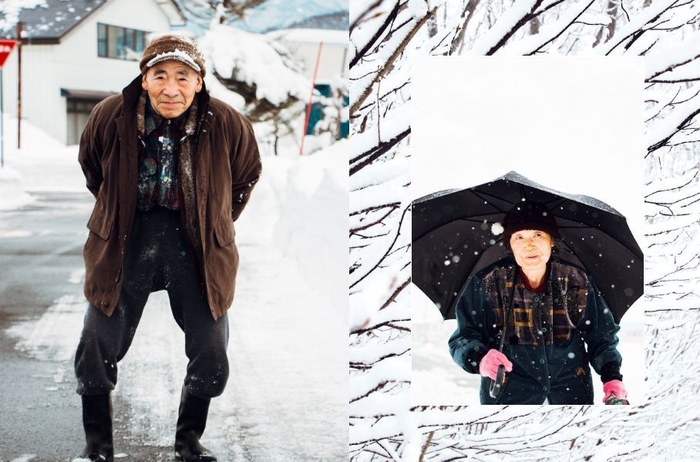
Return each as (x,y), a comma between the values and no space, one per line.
(384,36)
(268,82)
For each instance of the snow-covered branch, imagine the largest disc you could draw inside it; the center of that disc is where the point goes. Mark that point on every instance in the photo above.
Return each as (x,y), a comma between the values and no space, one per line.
(407,35)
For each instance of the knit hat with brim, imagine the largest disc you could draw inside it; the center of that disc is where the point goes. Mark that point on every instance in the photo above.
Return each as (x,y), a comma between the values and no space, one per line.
(173,47)
(529,215)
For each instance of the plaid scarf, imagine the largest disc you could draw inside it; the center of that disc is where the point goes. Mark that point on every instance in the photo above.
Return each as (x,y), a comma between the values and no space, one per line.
(538,317)
(166,164)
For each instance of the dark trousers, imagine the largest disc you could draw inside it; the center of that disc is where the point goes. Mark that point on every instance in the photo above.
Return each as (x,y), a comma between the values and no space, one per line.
(157,258)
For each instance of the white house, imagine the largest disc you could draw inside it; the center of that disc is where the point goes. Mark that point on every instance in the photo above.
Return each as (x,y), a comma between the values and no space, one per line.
(73,54)
(324,53)
(327,47)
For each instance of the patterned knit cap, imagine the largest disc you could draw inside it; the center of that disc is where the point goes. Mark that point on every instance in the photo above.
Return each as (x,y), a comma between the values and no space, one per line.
(173,47)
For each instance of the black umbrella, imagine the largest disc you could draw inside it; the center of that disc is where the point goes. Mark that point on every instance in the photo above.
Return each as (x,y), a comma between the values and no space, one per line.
(455,235)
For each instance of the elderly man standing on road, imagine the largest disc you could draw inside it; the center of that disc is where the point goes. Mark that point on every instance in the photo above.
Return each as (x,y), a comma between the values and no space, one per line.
(171,169)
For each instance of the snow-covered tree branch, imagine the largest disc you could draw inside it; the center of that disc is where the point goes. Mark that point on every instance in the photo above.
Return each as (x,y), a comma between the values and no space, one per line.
(384,36)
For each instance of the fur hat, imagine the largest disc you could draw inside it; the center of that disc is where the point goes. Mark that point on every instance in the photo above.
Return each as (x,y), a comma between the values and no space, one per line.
(173,47)
(529,215)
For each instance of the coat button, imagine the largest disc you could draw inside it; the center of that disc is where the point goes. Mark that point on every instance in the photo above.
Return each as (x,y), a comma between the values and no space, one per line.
(541,360)
(105,303)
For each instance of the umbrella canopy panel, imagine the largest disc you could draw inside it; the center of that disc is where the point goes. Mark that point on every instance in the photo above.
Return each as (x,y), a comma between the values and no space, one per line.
(454,237)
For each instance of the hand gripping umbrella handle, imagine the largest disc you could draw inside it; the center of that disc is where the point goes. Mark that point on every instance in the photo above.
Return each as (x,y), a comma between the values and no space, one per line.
(496,387)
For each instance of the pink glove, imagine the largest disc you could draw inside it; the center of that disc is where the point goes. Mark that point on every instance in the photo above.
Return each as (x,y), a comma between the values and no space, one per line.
(614,387)
(488,367)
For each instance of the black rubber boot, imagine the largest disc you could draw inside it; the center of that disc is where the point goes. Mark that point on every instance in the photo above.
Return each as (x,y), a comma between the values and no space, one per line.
(97,422)
(190,425)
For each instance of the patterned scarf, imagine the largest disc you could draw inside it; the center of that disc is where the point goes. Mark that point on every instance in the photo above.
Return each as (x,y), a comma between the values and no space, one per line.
(186,166)
(538,317)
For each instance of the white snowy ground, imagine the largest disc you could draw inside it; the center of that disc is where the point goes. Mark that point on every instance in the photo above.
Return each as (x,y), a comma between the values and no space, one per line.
(287,394)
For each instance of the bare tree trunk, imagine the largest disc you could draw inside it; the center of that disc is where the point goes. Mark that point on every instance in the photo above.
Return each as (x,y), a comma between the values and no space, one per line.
(467,14)
(605,33)
(535,25)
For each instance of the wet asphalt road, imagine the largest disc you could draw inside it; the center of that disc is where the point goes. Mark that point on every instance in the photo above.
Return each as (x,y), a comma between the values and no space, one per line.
(40,413)
(40,247)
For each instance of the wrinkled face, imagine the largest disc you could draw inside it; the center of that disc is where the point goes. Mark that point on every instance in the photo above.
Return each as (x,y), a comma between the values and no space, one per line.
(531,248)
(171,87)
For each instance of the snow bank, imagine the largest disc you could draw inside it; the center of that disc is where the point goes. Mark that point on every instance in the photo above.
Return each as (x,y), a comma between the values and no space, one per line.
(12,193)
(310,194)
(42,164)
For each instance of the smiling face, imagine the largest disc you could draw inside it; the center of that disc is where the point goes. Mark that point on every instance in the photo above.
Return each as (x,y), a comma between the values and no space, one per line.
(171,87)
(532,249)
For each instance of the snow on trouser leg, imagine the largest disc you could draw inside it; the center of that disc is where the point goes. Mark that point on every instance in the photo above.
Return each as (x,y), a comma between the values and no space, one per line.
(103,343)
(191,421)
(206,342)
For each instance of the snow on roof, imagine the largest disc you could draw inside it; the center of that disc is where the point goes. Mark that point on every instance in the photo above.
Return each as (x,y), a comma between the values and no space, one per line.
(50,20)
(44,19)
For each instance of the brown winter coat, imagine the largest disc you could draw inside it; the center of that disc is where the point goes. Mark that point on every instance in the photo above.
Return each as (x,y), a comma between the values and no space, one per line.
(226,167)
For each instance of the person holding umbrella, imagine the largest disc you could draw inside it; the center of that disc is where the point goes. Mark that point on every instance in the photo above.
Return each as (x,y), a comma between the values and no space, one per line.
(537,318)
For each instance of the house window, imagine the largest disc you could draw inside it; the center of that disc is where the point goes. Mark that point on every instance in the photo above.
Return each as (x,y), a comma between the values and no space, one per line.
(119,42)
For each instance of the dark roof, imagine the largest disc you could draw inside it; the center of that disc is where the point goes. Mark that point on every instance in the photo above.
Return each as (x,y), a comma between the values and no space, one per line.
(49,23)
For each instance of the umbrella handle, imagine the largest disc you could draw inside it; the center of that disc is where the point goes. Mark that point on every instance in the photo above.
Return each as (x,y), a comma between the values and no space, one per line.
(615,400)
(496,387)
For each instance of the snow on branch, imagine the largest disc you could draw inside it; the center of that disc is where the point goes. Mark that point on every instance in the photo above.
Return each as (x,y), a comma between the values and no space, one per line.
(680,118)
(668,56)
(532,44)
(406,31)
(507,25)
(629,33)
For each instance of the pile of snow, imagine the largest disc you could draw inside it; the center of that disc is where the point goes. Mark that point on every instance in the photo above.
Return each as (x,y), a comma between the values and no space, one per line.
(12,193)
(41,164)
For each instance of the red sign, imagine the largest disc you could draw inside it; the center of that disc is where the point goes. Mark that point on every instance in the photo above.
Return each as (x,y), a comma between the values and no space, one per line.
(6,47)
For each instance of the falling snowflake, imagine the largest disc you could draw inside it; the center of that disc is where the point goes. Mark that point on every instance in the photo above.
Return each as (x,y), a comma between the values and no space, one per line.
(497,229)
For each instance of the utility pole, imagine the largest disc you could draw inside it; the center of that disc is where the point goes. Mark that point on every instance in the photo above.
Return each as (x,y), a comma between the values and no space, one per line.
(19,85)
